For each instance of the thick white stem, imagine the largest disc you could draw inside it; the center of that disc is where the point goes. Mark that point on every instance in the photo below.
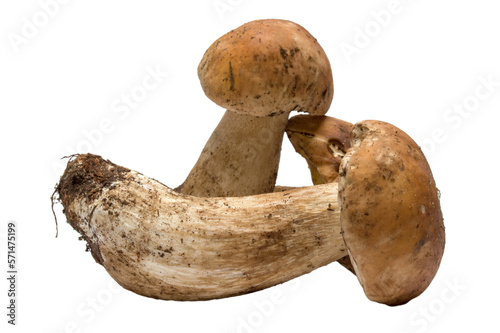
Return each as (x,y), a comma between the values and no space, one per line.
(240,158)
(162,244)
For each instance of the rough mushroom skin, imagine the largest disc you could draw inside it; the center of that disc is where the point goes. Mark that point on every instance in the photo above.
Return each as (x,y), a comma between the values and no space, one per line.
(269,67)
(162,244)
(259,72)
(390,213)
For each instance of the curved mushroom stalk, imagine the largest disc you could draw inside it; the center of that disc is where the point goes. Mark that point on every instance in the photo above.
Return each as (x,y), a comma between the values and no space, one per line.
(162,244)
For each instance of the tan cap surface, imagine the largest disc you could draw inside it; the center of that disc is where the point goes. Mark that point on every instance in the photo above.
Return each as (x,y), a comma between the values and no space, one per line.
(267,67)
(390,213)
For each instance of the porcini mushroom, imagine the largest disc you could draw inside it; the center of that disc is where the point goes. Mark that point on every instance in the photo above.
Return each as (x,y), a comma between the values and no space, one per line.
(156,242)
(388,202)
(259,72)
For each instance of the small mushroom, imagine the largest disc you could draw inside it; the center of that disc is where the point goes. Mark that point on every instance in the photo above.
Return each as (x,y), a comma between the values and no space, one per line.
(259,72)
(322,141)
(384,211)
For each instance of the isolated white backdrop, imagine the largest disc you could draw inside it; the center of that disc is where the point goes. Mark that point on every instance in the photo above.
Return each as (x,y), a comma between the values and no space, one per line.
(429,67)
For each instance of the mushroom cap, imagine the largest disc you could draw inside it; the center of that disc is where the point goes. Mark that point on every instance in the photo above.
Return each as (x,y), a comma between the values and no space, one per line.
(267,67)
(390,213)
(322,141)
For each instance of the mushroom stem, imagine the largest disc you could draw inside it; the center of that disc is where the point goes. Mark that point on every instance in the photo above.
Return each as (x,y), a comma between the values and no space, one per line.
(240,158)
(162,244)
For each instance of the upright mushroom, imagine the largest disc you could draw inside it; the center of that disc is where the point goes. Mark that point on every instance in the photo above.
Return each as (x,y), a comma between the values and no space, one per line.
(167,245)
(259,72)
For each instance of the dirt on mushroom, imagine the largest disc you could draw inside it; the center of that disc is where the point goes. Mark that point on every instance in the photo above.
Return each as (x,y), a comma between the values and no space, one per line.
(162,244)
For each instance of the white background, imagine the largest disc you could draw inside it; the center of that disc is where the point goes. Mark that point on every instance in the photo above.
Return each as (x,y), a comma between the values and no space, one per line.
(416,68)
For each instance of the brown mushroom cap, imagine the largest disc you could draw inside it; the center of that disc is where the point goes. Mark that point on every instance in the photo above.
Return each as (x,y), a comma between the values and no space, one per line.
(390,213)
(267,67)
(322,141)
